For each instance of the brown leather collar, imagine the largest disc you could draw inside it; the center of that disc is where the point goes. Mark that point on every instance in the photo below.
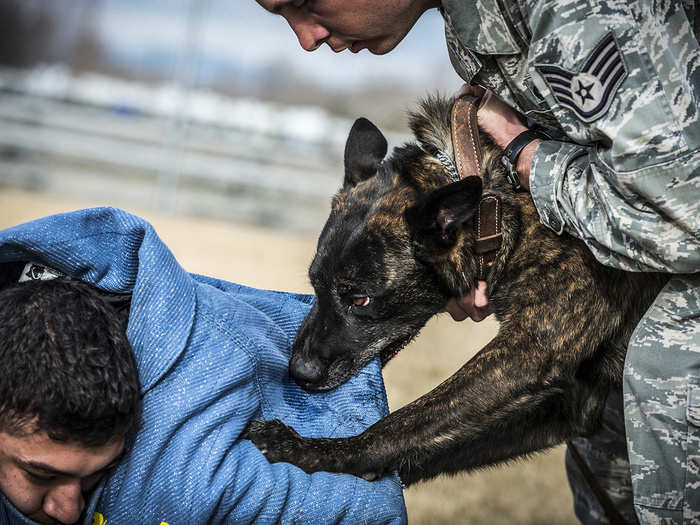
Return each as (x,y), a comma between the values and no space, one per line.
(468,158)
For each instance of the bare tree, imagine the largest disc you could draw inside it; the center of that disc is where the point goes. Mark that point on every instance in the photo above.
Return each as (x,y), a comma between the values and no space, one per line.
(25,33)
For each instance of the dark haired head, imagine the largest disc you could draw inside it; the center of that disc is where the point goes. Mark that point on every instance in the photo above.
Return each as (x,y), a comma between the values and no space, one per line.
(68,368)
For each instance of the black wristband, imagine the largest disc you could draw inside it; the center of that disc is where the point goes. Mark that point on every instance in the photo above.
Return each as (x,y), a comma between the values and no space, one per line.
(514,148)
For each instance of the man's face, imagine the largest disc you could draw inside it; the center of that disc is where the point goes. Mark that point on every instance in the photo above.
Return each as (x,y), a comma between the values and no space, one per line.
(350,24)
(48,481)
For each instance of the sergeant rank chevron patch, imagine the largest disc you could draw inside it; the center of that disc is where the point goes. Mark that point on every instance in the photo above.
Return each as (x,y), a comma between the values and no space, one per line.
(590,91)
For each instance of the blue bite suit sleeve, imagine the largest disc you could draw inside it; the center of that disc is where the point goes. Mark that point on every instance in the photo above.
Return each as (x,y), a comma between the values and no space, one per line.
(212,355)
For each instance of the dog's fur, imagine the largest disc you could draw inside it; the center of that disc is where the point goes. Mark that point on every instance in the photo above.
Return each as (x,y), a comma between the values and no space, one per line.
(401,234)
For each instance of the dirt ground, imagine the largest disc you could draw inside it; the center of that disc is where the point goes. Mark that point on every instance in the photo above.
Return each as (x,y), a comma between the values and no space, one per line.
(525,492)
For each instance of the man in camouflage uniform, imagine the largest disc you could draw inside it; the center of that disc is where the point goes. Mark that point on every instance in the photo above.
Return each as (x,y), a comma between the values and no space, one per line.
(621,82)
(617,84)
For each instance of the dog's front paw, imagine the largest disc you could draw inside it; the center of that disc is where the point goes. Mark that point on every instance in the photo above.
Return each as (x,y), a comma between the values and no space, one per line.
(274,439)
(280,443)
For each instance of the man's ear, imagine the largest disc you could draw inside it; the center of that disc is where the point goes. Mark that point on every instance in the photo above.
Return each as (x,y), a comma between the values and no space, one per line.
(437,217)
(364,150)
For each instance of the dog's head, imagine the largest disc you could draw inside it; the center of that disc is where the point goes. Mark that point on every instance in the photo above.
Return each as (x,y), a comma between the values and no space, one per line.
(391,253)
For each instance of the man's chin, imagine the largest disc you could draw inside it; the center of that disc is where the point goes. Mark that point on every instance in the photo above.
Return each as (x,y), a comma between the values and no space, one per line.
(375,50)
(382,47)
(44,519)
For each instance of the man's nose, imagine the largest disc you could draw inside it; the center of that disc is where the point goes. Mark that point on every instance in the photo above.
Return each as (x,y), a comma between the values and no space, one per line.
(65,502)
(310,33)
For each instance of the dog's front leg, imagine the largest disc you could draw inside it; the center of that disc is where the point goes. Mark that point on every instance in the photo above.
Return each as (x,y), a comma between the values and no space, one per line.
(280,442)
(511,399)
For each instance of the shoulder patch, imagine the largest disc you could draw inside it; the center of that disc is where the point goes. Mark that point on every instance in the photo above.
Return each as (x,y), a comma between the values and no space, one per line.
(588,92)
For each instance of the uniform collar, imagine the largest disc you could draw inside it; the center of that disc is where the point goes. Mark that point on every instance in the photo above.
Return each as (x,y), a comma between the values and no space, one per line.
(480,26)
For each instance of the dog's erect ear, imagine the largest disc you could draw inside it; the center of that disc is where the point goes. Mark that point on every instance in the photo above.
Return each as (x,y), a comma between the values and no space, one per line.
(364,149)
(437,216)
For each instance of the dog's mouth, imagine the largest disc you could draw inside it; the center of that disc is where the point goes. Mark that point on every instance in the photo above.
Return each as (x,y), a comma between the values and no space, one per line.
(335,375)
(391,350)
(340,371)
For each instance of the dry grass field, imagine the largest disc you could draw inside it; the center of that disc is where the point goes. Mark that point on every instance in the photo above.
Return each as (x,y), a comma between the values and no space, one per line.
(526,492)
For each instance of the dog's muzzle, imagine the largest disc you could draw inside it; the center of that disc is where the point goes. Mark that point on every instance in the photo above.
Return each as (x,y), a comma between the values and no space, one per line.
(306,371)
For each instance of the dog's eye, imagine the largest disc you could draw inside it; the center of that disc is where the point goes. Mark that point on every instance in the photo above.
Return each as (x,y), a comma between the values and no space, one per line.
(361,302)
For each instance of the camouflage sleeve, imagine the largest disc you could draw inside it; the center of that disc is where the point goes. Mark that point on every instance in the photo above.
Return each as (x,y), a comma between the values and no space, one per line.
(624,79)
(644,220)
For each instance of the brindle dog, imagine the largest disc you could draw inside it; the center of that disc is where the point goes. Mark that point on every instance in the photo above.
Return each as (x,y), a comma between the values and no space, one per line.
(397,245)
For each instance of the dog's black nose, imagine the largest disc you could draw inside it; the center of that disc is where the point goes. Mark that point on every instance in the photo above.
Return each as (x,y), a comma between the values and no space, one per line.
(306,370)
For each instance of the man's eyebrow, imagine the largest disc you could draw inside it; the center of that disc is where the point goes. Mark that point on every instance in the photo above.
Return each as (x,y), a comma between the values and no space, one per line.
(45,468)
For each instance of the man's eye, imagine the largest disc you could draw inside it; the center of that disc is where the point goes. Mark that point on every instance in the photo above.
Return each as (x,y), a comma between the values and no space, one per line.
(40,478)
(361,302)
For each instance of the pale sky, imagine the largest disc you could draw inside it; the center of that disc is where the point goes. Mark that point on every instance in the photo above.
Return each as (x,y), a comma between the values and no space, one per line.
(241,37)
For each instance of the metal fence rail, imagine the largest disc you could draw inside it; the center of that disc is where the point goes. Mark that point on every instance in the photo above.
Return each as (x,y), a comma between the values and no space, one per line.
(63,147)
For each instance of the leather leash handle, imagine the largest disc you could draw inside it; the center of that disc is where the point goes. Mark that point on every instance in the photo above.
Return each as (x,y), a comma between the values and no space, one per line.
(469,161)
(465,136)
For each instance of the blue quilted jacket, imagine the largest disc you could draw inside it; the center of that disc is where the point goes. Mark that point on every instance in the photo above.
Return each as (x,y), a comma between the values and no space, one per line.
(212,355)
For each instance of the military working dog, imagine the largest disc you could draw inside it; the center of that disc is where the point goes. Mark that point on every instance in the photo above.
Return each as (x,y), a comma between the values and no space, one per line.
(399,243)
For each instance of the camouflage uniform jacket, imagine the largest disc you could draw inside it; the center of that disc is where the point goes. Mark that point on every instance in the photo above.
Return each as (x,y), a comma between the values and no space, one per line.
(619,81)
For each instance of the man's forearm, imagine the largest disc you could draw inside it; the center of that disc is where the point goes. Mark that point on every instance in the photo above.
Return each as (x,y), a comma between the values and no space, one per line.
(646,220)
(524,162)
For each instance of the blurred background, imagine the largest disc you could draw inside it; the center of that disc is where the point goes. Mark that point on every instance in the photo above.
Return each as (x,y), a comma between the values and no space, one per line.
(206,118)
(204,107)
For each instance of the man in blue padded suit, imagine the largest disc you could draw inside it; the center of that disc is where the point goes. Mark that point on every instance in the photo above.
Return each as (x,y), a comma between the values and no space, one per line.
(616,84)
(211,356)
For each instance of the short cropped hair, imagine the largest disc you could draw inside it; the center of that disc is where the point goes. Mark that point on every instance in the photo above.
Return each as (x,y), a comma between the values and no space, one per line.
(67,366)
